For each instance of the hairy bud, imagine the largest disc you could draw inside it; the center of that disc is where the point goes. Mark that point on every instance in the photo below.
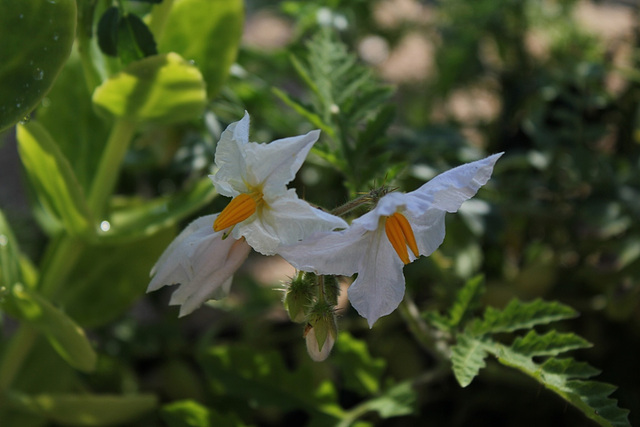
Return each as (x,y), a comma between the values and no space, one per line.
(299,297)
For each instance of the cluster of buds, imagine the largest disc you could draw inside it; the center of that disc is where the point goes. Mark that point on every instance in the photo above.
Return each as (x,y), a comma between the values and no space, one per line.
(312,300)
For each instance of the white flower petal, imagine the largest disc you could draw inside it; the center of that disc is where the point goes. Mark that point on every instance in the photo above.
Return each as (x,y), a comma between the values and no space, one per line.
(338,252)
(285,221)
(379,287)
(230,177)
(201,262)
(274,165)
(428,229)
(450,189)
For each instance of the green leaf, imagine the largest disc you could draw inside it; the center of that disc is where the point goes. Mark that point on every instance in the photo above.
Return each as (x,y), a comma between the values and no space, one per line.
(109,278)
(360,371)
(63,333)
(188,413)
(521,315)
(550,344)
(465,299)
(135,41)
(207,32)
(69,117)
(590,397)
(397,401)
(33,50)
(315,119)
(261,377)
(467,357)
(85,410)
(134,219)
(158,89)
(52,179)
(9,257)
(107,31)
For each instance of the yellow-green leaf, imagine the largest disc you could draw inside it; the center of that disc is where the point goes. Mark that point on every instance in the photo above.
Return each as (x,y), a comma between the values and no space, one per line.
(207,32)
(53,179)
(161,89)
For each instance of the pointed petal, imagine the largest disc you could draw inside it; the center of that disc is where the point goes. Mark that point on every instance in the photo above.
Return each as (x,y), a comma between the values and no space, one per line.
(274,165)
(428,229)
(379,287)
(201,262)
(285,221)
(230,177)
(450,189)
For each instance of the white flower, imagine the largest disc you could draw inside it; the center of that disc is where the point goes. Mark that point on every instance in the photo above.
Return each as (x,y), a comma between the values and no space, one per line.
(256,175)
(201,261)
(375,245)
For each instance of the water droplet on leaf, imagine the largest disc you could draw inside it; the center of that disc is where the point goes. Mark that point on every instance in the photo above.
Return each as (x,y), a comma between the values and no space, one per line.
(38,74)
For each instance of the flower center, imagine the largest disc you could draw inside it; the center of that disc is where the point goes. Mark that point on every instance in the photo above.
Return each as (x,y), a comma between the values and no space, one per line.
(239,208)
(400,235)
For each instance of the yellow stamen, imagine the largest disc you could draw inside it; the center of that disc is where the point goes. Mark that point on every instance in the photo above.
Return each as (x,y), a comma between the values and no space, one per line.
(401,235)
(240,208)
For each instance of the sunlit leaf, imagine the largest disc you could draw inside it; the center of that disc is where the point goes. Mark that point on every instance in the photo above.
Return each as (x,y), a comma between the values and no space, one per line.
(467,357)
(207,32)
(36,40)
(160,89)
(52,178)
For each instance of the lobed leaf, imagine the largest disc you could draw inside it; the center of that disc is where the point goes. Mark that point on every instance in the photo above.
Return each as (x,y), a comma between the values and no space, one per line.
(467,357)
(465,299)
(521,315)
(550,344)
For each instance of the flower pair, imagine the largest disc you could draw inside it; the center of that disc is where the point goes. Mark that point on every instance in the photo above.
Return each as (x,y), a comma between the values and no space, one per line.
(266,216)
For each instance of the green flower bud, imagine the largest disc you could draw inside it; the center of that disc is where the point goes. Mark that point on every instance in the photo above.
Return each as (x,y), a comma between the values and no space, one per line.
(323,328)
(299,297)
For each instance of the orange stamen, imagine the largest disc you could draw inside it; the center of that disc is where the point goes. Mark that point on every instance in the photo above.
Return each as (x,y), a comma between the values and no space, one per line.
(240,208)
(400,236)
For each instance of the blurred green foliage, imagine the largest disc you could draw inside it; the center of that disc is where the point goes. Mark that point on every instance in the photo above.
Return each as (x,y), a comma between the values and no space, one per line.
(558,221)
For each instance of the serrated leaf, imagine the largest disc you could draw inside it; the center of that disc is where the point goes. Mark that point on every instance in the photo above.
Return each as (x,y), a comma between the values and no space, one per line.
(53,179)
(467,357)
(33,50)
(550,344)
(188,413)
(207,32)
(158,89)
(65,336)
(361,372)
(569,367)
(590,397)
(521,315)
(465,298)
(86,410)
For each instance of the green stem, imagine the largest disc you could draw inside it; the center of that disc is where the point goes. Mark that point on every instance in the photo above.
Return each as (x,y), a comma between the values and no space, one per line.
(106,177)
(15,353)
(421,331)
(60,258)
